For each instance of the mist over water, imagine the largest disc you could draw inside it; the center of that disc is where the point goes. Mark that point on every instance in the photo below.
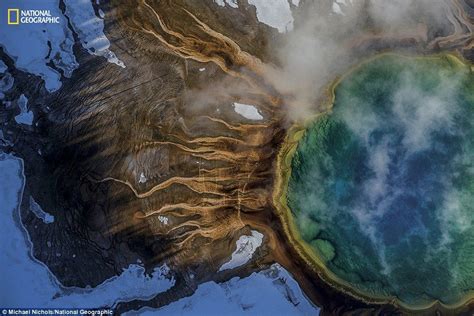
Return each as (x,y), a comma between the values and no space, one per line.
(382,187)
(321,45)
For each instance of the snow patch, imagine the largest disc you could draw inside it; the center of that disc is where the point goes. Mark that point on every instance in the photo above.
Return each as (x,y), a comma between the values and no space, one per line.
(339,6)
(248,111)
(336,8)
(268,292)
(246,246)
(25,117)
(275,13)
(142,178)
(90,29)
(38,211)
(163,219)
(231,3)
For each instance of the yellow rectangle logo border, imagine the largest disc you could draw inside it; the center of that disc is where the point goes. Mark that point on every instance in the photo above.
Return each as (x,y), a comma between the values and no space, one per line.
(10,22)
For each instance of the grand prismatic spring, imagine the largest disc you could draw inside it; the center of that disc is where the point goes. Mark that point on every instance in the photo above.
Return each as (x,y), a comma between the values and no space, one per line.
(381,188)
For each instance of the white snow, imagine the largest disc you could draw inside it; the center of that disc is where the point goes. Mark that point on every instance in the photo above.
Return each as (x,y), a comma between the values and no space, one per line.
(336,8)
(269,292)
(90,29)
(248,111)
(25,117)
(202,69)
(246,246)
(231,3)
(27,44)
(25,281)
(275,13)
(163,219)
(38,211)
(339,6)
(142,178)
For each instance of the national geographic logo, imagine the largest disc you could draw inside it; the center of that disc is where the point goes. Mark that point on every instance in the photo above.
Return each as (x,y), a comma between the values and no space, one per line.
(17,16)
(13,16)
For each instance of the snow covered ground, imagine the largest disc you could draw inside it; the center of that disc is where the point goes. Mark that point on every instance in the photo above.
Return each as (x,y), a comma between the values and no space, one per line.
(142,178)
(163,219)
(274,13)
(339,6)
(246,246)
(32,53)
(38,211)
(270,292)
(230,3)
(90,29)
(26,116)
(248,111)
(26,282)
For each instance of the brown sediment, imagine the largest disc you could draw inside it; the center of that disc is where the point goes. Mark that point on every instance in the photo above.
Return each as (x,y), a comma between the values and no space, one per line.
(463,24)
(206,45)
(228,172)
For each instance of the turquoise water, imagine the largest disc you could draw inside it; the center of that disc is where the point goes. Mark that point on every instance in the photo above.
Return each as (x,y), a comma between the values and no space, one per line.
(382,188)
